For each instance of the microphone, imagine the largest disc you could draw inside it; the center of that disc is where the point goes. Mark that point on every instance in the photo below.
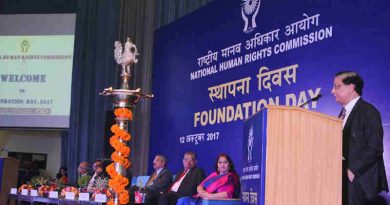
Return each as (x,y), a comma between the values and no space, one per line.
(311,100)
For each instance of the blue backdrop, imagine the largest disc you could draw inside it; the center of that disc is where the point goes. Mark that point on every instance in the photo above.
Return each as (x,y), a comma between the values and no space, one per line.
(211,72)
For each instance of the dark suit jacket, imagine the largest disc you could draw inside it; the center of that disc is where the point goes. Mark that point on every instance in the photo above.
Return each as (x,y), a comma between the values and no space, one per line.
(190,182)
(363,148)
(162,181)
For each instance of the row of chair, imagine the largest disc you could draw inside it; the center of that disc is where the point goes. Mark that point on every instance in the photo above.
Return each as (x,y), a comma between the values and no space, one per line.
(139,180)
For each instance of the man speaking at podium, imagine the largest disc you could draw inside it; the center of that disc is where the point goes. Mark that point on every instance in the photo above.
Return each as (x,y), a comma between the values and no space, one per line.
(364,173)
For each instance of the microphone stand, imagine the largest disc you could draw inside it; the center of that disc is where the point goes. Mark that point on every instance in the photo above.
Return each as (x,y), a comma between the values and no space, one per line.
(311,100)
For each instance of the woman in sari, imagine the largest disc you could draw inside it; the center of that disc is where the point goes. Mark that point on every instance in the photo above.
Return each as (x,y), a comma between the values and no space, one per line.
(62,175)
(223,183)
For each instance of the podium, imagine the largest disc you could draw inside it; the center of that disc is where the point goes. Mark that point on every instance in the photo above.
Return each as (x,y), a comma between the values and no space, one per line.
(8,177)
(292,156)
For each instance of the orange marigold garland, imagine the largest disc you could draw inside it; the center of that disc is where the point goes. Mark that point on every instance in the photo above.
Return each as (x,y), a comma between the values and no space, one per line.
(122,151)
(124,112)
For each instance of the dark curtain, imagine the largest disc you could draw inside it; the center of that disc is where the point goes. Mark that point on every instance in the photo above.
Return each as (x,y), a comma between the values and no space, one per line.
(64,147)
(94,69)
(99,24)
(138,20)
(168,11)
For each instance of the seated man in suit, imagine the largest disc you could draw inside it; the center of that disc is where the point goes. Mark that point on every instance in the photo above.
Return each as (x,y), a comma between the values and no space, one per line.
(186,181)
(98,173)
(83,177)
(158,182)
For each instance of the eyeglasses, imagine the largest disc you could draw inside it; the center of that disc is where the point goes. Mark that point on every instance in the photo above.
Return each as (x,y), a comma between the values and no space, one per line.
(337,86)
(82,167)
(188,159)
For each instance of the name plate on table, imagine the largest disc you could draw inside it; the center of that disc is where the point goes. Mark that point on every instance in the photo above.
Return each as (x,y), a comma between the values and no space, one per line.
(34,192)
(53,194)
(69,195)
(100,198)
(84,196)
(24,192)
(14,191)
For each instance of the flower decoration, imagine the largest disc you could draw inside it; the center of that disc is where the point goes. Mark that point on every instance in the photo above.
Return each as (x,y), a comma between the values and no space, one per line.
(45,189)
(39,181)
(100,186)
(118,141)
(69,189)
(25,186)
(124,112)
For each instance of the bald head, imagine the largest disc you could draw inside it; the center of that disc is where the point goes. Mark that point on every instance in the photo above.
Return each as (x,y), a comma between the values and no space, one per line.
(83,167)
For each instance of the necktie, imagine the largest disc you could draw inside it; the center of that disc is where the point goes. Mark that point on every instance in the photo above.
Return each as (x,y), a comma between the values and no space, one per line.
(178,178)
(151,179)
(342,114)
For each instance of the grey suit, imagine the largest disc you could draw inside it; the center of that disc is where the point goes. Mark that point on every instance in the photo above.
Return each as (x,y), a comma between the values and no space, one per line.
(363,153)
(160,184)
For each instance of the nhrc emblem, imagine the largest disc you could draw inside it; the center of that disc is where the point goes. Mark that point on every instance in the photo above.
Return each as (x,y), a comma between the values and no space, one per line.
(24,45)
(249,11)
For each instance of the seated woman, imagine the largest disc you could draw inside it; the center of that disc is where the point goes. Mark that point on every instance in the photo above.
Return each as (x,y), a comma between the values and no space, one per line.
(62,176)
(223,183)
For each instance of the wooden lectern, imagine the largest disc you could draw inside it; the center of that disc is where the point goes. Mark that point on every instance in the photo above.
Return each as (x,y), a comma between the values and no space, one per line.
(8,177)
(300,158)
